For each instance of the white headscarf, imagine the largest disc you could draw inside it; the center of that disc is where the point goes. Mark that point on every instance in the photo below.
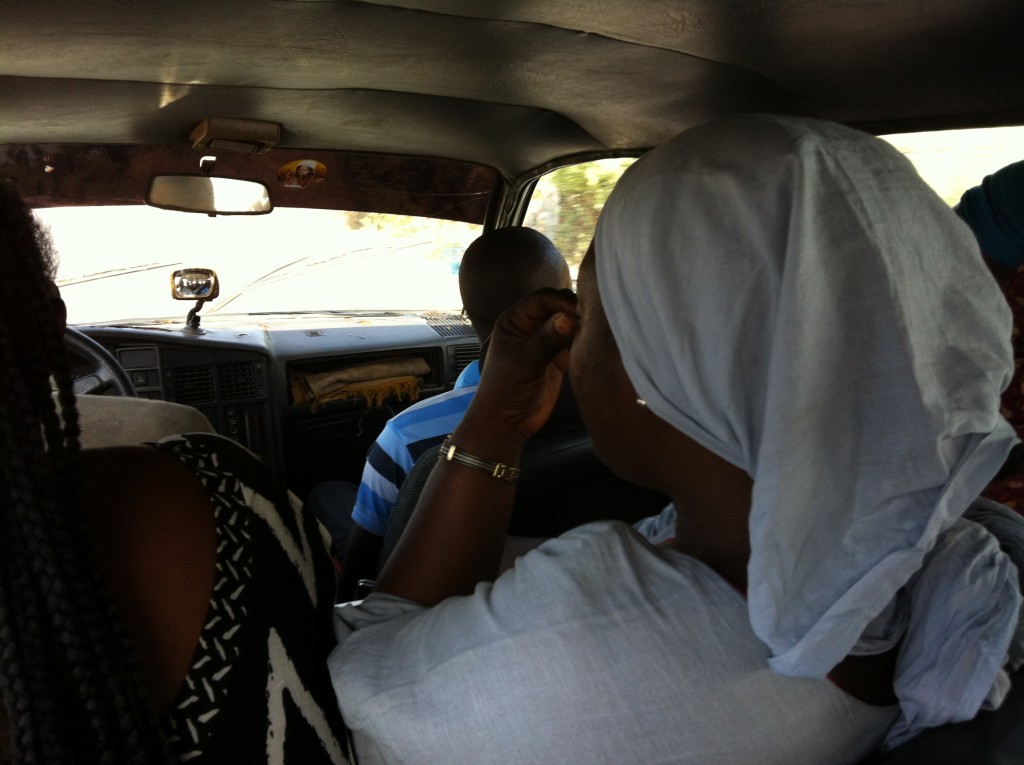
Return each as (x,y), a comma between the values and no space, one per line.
(791,295)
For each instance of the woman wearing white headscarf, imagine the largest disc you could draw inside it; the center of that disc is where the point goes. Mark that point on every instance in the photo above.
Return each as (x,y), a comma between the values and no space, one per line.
(757,335)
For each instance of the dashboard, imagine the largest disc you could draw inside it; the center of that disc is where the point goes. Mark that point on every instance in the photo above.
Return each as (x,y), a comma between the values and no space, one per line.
(242,373)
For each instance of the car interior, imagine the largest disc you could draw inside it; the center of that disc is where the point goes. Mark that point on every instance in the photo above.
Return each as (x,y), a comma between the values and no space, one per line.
(260,206)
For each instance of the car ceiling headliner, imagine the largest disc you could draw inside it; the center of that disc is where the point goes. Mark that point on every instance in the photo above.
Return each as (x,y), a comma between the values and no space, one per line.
(513,85)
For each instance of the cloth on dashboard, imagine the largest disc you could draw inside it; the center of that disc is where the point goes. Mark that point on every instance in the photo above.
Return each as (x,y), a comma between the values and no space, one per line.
(790,328)
(257,690)
(534,668)
(375,381)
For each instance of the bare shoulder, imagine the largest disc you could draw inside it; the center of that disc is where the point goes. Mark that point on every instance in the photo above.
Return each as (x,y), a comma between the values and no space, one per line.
(143,490)
(152,527)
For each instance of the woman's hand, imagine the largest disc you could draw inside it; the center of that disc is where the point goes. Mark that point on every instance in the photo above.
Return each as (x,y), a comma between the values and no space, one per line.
(456,535)
(525,363)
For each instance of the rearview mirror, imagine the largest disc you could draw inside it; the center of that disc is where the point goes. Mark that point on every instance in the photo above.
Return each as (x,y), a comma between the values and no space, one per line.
(212,196)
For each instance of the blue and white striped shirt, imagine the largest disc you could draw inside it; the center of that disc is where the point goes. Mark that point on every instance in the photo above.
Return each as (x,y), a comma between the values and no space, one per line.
(405,437)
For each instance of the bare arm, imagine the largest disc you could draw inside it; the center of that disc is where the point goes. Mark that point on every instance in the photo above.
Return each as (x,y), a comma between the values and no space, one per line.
(152,527)
(456,536)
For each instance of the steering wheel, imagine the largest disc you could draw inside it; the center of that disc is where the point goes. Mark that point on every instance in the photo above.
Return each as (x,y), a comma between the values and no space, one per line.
(94,370)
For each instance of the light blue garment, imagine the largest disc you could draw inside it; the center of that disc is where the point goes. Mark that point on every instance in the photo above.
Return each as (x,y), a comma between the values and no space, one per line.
(1007,527)
(660,528)
(594,648)
(961,616)
(791,295)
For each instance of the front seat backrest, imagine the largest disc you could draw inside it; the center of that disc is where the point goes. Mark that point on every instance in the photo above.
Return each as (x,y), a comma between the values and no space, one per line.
(125,421)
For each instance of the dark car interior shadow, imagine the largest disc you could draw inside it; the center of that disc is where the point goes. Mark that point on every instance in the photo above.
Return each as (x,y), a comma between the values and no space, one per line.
(991,738)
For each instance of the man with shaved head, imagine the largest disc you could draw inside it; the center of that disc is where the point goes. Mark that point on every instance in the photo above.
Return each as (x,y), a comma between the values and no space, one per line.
(498,268)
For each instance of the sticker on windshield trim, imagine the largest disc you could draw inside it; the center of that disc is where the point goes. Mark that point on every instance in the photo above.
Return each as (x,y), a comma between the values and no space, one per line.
(302,173)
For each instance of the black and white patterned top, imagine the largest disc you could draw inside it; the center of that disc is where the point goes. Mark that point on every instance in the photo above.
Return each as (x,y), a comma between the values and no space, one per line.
(258,690)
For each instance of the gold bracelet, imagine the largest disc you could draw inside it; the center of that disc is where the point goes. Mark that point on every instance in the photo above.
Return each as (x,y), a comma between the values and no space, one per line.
(452,453)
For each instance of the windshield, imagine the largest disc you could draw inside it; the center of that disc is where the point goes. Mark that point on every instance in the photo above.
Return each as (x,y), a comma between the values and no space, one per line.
(116,262)
(349,231)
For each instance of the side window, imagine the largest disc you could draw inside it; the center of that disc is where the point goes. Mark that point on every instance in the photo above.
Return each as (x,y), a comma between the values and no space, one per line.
(566,202)
(952,161)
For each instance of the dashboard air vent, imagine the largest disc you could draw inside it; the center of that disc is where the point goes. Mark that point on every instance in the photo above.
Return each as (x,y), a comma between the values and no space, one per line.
(240,379)
(192,385)
(463,355)
(449,324)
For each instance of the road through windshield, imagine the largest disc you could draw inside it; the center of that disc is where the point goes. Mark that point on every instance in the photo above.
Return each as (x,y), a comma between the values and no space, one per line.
(116,262)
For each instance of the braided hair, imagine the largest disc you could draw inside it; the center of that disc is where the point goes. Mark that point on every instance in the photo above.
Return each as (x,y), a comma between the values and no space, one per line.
(70,688)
